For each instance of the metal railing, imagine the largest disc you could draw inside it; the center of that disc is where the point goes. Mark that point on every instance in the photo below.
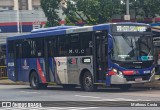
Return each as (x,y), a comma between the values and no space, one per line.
(3,72)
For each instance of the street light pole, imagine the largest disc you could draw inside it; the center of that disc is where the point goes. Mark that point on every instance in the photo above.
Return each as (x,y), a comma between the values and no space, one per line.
(16,8)
(127,7)
(18,23)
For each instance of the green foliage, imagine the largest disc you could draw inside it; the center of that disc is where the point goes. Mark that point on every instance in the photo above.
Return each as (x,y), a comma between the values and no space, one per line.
(50,8)
(91,11)
(96,11)
(149,8)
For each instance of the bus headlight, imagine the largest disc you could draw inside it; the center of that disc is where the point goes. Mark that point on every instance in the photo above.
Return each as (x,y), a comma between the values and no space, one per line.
(120,74)
(114,70)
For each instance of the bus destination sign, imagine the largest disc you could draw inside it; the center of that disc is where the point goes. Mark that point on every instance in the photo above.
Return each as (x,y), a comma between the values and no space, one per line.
(129,28)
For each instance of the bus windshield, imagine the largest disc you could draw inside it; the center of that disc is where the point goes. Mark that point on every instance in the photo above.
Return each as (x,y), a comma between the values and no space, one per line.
(132,48)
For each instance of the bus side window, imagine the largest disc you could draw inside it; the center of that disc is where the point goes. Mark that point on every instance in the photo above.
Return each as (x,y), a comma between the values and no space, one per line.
(26,49)
(10,49)
(62,45)
(39,48)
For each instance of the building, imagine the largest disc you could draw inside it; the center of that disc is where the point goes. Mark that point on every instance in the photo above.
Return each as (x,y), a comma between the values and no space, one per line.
(19,17)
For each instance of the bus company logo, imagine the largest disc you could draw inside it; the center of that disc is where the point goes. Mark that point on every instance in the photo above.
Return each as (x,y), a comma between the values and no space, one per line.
(72,61)
(25,66)
(60,63)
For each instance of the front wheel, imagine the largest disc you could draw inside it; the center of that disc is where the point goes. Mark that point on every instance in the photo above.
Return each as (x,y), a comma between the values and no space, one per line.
(87,83)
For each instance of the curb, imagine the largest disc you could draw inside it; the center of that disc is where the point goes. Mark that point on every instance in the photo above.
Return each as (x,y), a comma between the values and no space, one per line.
(9,82)
(13,84)
(155,84)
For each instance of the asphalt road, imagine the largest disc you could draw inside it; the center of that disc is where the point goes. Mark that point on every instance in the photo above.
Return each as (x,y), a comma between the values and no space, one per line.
(54,93)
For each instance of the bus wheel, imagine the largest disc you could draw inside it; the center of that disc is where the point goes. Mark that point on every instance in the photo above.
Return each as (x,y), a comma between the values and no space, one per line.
(125,87)
(34,81)
(87,83)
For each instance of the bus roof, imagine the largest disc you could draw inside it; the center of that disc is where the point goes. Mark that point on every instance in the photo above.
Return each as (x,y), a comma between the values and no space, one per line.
(60,30)
(52,28)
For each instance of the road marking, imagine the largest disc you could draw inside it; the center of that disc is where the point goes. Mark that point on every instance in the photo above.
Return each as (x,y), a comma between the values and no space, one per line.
(78,108)
(114,99)
(86,96)
(28,92)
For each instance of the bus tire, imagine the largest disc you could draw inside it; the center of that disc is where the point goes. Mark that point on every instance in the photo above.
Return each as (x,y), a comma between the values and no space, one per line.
(87,82)
(125,87)
(34,81)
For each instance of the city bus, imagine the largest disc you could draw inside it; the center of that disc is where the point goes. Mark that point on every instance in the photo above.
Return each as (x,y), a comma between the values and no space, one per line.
(113,54)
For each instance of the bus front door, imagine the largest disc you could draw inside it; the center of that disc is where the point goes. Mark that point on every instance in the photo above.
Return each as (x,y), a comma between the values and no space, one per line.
(50,52)
(101,47)
(17,61)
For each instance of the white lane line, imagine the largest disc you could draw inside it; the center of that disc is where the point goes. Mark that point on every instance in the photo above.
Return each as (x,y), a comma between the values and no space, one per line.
(103,100)
(86,96)
(28,92)
(123,99)
(78,108)
(114,99)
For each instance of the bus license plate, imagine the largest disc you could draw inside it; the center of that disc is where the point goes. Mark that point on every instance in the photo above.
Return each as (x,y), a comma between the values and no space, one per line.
(138,79)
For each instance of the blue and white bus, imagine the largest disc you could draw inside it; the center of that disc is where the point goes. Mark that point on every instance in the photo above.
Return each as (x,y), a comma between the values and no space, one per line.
(116,54)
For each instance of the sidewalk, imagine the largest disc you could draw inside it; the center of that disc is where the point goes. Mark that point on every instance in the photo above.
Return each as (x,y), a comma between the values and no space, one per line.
(9,82)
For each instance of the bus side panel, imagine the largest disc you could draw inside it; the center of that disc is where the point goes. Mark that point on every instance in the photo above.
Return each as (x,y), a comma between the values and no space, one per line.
(19,72)
(40,62)
(28,64)
(52,68)
(11,69)
(75,65)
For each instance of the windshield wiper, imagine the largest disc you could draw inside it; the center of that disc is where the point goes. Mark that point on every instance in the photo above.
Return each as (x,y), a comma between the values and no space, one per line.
(130,43)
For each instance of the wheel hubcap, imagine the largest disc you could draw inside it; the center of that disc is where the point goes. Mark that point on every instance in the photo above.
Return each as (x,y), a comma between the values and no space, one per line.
(34,81)
(88,82)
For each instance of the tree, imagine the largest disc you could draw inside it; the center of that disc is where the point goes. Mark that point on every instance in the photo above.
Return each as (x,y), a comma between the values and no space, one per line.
(50,8)
(91,11)
(149,8)
(96,11)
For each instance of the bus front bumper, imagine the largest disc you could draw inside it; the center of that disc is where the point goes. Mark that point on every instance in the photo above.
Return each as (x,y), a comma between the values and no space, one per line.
(116,79)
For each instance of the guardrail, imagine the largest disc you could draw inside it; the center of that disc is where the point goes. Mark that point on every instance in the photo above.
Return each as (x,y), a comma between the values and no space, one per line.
(3,72)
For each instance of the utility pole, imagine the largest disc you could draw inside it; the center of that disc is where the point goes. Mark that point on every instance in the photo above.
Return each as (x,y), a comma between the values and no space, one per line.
(127,16)
(127,7)
(16,7)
